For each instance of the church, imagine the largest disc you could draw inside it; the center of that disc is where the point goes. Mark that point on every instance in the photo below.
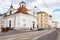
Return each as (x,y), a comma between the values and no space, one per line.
(19,19)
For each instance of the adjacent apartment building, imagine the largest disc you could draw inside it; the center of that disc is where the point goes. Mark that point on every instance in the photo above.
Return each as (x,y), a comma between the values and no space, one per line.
(42,20)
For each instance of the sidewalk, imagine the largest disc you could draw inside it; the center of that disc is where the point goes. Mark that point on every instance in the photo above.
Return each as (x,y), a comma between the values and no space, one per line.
(58,38)
(11,32)
(24,36)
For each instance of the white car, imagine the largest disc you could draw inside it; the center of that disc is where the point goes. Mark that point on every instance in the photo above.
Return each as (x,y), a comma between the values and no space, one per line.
(34,29)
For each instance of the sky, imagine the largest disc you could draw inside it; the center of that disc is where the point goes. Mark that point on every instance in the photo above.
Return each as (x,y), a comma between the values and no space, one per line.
(52,7)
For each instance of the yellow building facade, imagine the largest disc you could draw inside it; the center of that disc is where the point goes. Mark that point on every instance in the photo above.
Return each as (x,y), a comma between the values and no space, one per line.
(42,20)
(54,25)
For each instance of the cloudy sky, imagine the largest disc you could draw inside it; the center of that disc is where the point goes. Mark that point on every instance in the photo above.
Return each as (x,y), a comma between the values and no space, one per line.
(52,7)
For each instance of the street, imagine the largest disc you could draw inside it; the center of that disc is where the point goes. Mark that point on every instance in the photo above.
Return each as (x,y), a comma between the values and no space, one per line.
(11,33)
(58,37)
(33,35)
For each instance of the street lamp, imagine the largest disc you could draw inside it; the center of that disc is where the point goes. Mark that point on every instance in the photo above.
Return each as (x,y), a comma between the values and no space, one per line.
(55,24)
(34,9)
(50,17)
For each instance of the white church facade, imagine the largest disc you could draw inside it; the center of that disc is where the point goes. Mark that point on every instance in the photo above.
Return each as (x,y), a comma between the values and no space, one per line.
(19,19)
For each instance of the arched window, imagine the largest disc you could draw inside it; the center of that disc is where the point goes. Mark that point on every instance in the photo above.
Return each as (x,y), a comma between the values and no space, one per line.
(10,24)
(33,24)
(22,6)
(10,11)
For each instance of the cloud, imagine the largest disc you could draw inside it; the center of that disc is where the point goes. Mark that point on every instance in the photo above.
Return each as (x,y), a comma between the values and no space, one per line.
(52,3)
(48,6)
(56,14)
(4,4)
(52,7)
(56,10)
(31,3)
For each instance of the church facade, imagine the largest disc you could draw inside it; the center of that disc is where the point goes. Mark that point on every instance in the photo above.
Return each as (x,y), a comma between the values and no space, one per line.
(19,19)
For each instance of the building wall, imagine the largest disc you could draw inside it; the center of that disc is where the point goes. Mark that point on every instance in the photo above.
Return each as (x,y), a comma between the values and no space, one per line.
(42,20)
(1,22)
(7,19)
(25,21)
(20,21)
(53,25)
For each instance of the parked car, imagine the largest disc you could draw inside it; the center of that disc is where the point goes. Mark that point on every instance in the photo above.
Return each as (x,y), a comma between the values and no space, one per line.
(11,28)
(41,29)
(34,29)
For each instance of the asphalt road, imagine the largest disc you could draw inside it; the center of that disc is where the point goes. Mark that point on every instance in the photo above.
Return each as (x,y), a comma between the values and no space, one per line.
(58,37)
(11,33)
(50,36)
(26,36)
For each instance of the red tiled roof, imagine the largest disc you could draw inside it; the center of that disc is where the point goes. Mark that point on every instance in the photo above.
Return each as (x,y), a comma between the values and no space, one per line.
(23,10)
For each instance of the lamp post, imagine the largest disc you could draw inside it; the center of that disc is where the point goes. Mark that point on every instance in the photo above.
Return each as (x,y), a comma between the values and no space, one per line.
(50,17)
(34,10)
(55,25)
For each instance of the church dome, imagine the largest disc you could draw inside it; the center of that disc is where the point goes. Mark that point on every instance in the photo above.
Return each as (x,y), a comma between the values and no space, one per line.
(23,10)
